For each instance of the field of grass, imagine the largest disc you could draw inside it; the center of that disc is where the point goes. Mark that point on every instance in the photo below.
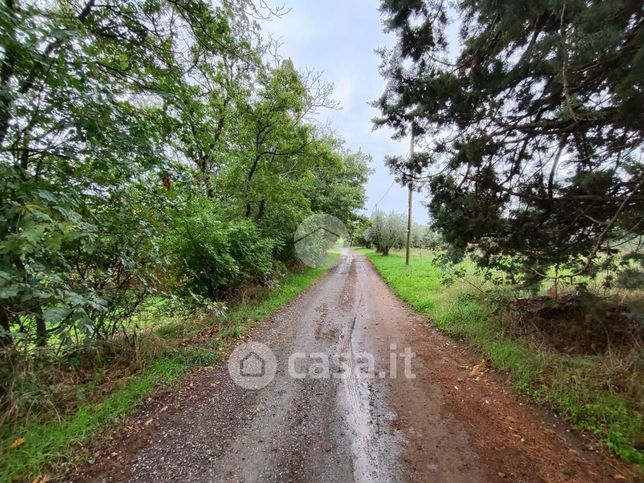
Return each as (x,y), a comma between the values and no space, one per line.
(574,385)
(39,443)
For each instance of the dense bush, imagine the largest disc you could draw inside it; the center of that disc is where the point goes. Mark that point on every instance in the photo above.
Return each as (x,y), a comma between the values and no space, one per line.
(74,265)
(215,257)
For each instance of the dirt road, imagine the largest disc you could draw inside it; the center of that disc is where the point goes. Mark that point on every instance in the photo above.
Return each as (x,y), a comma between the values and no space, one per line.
(446,424)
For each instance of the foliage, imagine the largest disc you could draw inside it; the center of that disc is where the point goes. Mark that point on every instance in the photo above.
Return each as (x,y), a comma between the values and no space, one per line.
(216,257)
(531,126)
(48,442)
(339,189)
(386,231)
(358,231)
(423,236)
(150,147)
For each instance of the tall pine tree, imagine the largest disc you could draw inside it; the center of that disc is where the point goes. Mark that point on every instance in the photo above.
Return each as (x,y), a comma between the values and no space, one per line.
(533,129)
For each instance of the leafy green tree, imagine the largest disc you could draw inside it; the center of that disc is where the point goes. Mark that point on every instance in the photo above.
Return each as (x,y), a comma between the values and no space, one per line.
(71,142)
(149,146)
(533,128)
(423,236)
(339,186)
(359,230)
(387,231)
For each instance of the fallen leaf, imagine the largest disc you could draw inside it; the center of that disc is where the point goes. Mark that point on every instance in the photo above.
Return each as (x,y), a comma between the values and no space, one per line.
(18,442)
(478,369)
(149,422)
(619,477)
(40,479)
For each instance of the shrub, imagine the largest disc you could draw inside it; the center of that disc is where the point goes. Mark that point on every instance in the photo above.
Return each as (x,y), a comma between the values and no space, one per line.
(252,252)
(213,258)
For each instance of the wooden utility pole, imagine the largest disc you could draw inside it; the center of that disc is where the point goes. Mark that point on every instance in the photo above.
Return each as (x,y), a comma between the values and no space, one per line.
(411,188)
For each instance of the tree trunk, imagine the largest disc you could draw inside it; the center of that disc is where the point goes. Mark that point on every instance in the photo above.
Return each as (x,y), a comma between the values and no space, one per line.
(5,327)
(41,329)
(260,213)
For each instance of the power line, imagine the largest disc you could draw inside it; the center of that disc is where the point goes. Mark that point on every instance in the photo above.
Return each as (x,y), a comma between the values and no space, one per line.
(409,153)
(386,193)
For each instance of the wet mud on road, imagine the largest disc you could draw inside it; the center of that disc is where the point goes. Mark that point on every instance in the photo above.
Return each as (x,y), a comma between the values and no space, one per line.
(442,425)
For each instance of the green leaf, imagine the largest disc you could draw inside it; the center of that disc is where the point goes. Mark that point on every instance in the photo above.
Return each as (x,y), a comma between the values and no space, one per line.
(56,314)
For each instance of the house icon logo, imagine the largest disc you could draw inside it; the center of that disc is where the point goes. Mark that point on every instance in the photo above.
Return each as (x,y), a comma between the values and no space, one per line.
(252,365)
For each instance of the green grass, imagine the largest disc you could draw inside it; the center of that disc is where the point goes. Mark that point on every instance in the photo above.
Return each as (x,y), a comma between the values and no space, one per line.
(568,384)
(54,441)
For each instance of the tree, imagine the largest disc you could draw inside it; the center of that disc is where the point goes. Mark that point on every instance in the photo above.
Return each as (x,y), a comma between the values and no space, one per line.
(339,185)
(533,132)
(359,231)
(75,135)
(147,147)
(423,236)
(387,231)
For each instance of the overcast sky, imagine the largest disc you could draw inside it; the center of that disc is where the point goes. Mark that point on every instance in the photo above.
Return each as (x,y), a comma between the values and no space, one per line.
(339,37)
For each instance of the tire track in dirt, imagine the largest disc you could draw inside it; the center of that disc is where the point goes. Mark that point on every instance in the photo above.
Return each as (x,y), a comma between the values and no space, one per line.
(441,426)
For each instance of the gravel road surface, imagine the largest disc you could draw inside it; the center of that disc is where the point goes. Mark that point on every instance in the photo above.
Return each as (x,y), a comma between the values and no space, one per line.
(356,422)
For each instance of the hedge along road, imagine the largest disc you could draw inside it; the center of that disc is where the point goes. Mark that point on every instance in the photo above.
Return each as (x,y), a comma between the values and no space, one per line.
(348,419)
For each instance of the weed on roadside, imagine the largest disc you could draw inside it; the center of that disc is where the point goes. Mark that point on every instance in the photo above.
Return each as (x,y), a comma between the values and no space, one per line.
(592,378)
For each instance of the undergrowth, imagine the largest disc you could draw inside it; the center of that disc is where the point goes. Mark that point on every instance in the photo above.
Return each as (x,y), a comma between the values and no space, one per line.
(167,352)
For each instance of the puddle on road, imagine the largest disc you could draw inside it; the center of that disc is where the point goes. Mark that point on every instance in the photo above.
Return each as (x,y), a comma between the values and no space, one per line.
(362,404)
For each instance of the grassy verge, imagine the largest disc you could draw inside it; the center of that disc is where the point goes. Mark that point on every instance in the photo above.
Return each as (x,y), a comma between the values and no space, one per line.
(574,385)
(51,441)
